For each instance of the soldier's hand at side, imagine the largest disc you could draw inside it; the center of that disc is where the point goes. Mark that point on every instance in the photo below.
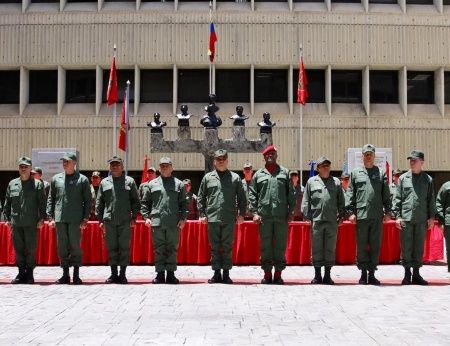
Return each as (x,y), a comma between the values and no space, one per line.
(181,224)
(387,217)
(352,218)
(430,223)
(203,220)
(257,219)
(51,224)
(83,224)
(399,223)
(148,222)
(102,225)
(239,219)
(290,218)
(8,224)
(132,223)
(40,223)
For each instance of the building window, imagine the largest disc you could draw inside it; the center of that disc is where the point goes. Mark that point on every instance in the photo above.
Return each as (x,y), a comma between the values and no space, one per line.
(122,77)
(316,86)
(346,1)
(82,1)
(394,2)
(233,86)
(346,86)
(446,2)
(44,1)
(193,86)
(156,86)
(80,86)
(270,1)
(271,86)
(9,87)
(308,1)
(10,1)
(120,1)
(420,87)
(419,2)
(43,86)
(384,86)
(447,87)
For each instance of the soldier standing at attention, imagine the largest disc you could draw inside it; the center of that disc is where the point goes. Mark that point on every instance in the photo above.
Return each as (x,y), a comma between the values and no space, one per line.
(95,184)
(117,207)
(324,205)
(298,189)
(69,205)
(443,215)
(24,211)
(368,199)
(248,174)
(164,208)
(272,202)
(414,209)
(191,200)
(220,191)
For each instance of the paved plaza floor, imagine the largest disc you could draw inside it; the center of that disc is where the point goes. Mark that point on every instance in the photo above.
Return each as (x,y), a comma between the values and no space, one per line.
(246,313)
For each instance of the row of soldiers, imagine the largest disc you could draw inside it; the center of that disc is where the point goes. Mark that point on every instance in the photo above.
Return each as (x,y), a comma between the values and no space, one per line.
(223,200)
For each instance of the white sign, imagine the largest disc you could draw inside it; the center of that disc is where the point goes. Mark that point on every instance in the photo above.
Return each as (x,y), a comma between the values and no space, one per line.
(49,159)
(382,155)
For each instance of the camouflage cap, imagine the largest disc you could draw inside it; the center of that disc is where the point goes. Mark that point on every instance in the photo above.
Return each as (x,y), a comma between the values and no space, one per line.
(69,156)
(115,159)
(321,160)
(291,173)
(368,148)
(24,160)
(397,172)
(248,165)
(165,160)
(345,175)
(220,152)
(151,168)
(416,154)
(187,181)
(37,170)
(96,174)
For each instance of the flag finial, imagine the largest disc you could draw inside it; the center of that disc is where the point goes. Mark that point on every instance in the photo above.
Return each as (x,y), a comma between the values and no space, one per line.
(128,83)
(115,46)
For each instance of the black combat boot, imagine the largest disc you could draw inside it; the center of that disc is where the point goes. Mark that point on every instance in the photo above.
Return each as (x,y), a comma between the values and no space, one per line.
(171,278)
(317,276)
(216,278)
(76,276)
(21,276)
(123,275)
(114,278)
(327,280)
(417,279)
(363,278)
(30,276)
(407,279)
(372,280)
(65,278)
(267,277)
(277,279)
(226,277)
(159,279)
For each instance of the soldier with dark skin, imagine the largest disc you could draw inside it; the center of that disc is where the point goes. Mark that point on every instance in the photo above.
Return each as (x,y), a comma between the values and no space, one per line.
(220,192)
(24,212)
(443,216)
(248,174)
(272,202)
(164,208)
(324,205)
(68,206)
(117,208)
(414,209)
(368,202)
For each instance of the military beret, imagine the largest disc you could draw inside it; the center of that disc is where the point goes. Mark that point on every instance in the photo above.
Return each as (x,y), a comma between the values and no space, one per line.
(24,161)
(321,160)
(69,156)
(269,149)
(165,160)
(115,159)
(220,152)
(368,147)
(416,154)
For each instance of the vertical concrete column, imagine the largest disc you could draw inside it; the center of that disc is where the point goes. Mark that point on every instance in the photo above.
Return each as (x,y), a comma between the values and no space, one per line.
(328,88)
(61,98)
(366,89)
(439,92)
(24,96)
(403,90)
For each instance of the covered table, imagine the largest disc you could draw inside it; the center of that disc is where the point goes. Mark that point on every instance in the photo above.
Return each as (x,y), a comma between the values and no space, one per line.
(194,246)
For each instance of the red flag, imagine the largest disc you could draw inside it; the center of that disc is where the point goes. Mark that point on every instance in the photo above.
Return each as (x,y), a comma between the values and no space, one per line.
(212,42)
(388,172)
(302,88)
(112,93)
(123,124)
(144,177)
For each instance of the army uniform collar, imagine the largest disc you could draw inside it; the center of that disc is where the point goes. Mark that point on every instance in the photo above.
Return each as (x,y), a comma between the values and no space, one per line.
(277,170)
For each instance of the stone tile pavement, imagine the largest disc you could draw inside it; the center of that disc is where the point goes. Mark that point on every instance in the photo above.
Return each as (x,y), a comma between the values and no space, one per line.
(246,313)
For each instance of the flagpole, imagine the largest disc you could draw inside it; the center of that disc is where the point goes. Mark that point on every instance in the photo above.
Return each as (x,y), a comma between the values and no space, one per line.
(210,64)
(301,127)
(114,132)
(127,121)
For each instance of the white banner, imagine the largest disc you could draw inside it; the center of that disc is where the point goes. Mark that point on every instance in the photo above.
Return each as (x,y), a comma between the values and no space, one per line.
(382,155)
(49,159)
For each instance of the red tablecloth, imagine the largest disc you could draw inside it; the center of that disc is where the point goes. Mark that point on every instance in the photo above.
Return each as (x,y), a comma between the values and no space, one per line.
(194,246)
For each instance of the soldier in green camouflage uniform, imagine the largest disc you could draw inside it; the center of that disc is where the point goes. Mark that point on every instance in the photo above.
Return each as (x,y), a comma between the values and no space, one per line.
(414,209)
(324,205)
(117,207)
(443,215)
(272,202)
(24,210)
(393,186)
(248,174)
(164,208)
(220,191)
(367,195)
(69,205)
